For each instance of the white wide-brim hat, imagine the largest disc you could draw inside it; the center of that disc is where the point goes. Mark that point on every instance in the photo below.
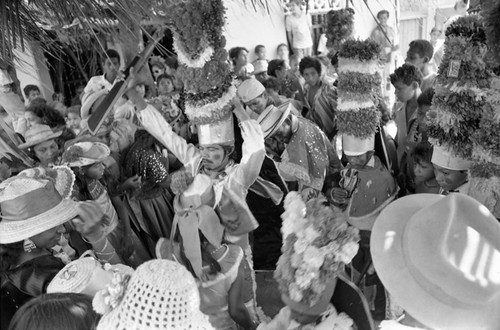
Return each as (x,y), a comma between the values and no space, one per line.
(273,117)
(37,134)
(440,259)
(31,204)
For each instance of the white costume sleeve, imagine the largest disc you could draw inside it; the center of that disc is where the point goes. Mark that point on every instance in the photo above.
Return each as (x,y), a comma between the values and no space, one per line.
(158,127)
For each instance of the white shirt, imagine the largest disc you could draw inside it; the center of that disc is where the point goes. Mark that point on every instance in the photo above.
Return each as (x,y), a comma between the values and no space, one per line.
(300,27)
(97,83)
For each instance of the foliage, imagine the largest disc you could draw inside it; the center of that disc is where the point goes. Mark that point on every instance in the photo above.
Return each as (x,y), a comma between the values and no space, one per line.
(363,50)
(362,123)
(339,26)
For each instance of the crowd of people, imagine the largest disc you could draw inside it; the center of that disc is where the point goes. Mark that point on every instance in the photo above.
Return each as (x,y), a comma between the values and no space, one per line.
(156,223)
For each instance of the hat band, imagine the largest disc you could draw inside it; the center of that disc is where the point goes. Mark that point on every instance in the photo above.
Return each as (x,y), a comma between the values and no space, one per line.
(31,204)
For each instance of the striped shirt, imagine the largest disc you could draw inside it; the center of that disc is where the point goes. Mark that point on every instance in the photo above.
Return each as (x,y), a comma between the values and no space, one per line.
(323,108)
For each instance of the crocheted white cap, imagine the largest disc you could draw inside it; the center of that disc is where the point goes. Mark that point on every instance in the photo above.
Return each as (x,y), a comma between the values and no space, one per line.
(161,294)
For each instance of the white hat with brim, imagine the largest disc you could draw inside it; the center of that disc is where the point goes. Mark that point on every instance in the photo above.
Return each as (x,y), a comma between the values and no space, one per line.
(88,101)
(444,157)
(37,134)
(85,153)
(273,117)
(31,206)
(250,89)
(440,259)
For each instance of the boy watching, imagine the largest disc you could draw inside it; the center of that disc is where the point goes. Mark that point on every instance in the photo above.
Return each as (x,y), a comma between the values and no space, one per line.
(31,92)
(420,54)
(425,180)
(73,119)
(110,67)
(406,81)
(299,29)
(260,52)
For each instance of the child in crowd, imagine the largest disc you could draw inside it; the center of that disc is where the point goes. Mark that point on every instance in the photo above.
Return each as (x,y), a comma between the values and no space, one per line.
(417,132)
(110,65)
(260,53)
(420,54)
(86,160)
(260,71)
(294,62)
(31,92)
(73,119)
(289,85)
(239,59)
(157,64)
(451,170)
(57,311)
(406,80)
(299,29)
(425,180)
(171,66)
(284,54)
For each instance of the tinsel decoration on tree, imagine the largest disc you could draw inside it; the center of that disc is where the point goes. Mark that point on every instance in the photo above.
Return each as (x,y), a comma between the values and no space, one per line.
(358,85)
(199,43)
(339,27)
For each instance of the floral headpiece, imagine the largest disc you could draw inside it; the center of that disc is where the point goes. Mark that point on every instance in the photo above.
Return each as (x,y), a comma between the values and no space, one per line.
(317,244)
(107,299)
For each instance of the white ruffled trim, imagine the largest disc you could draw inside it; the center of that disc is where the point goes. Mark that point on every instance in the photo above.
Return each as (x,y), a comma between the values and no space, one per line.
(200,60)
(344,105)
(368,67)
(210,110)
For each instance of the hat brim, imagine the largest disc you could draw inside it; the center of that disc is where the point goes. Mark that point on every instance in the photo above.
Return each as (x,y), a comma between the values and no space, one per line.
(104,153)
(268,132)
(422,303)
(12,231)
(35,142)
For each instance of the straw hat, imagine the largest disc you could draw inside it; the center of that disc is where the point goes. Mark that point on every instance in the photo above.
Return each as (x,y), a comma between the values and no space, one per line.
(31,204)
(250,89)
(85,275)
(88,100)
(161,294)
(444,157)
(273,117)
(85,153)
(37,134)
(440,259)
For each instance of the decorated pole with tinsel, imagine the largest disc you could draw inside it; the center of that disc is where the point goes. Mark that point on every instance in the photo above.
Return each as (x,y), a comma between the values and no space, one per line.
(358,85)
(208,83)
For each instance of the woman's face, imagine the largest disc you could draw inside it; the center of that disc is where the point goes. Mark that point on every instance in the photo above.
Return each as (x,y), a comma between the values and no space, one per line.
(31,119)
(165,86)
(49,238)
(47,152)
(95,171)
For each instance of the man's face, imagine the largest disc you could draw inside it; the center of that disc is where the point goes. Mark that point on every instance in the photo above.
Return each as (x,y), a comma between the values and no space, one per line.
(33,94)
(31,119)
(258,104)
(412,58)
(383,18)
(110,68)
(284,133)
(449,179)
(165,86)
(404,92)
(311,76)
(283,52)
(359,161)
(213,156)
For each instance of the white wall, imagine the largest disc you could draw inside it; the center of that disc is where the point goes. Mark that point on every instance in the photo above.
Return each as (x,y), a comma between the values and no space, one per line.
(364,22)
(247,27)
(32,70)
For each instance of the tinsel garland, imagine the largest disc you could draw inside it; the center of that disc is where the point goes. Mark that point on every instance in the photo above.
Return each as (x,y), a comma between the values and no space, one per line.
(339,26)
(211,112)
(354,96)
(485,170)
(491,13)
(362,123)
(358,82)
(469,27)
(455,138)
(362,50)
(185,59)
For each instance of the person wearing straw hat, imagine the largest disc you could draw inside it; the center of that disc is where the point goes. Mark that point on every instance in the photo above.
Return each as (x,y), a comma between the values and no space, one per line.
(197,242)
(309,157)
(42,145)
(34,206)
(160,294)
(439,257)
